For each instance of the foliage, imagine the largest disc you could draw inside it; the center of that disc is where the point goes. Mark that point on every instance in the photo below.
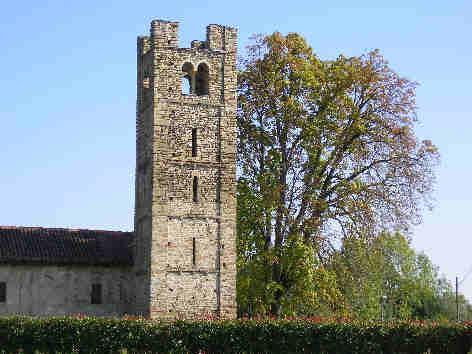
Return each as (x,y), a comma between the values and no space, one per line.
(326,149)
(311,288)
(92,335)
(386,271)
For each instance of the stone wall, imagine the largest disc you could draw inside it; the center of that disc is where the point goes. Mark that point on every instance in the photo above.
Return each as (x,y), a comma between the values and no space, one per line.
(185,262)
(143,178)
(64,290)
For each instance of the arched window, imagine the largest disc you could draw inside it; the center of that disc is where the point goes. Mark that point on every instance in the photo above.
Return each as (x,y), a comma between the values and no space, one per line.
(187,78)
(201,80)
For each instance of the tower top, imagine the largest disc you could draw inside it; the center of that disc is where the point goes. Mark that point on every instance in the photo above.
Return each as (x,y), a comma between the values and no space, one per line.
(164,34)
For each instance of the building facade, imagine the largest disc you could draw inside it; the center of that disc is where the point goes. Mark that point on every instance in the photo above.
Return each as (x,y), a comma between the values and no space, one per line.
(57,272)
(181,259)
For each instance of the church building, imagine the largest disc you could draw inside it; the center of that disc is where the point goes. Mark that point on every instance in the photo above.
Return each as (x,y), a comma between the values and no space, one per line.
(180,261)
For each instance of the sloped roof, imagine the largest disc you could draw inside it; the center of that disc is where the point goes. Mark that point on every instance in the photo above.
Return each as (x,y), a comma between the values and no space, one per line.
(41,245)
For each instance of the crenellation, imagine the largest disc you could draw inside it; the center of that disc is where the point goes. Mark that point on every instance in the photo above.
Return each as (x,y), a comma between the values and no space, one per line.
(164,34)
(199,45)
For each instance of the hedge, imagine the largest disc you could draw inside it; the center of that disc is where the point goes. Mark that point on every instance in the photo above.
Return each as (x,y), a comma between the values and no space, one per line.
(94,335)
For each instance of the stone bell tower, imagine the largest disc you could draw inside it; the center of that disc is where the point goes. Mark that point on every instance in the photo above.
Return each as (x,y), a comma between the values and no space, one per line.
(185,214)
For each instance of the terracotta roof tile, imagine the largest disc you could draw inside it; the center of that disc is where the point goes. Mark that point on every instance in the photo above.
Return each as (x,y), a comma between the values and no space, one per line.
(65,246)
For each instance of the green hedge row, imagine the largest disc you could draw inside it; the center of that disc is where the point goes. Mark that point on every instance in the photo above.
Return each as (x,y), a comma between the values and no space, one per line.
(92,335)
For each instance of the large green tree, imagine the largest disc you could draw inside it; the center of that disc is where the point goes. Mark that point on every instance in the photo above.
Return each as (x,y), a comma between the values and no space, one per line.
(387,272)
(326,150)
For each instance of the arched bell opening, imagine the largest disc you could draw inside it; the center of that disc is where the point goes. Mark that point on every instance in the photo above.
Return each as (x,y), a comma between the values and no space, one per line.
(187,81)
(202,79)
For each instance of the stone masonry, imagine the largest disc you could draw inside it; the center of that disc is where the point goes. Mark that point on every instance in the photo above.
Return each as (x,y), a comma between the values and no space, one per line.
(185,237)
(61,290)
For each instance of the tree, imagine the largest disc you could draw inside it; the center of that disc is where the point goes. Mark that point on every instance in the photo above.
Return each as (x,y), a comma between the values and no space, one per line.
(327,150)
(387,267)
(358,269)
(309,287)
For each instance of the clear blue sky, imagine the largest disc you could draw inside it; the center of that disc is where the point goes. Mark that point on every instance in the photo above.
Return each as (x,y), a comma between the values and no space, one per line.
(67,99)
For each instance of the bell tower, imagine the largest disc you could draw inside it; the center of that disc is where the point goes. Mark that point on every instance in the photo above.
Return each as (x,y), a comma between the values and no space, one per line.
(185,204)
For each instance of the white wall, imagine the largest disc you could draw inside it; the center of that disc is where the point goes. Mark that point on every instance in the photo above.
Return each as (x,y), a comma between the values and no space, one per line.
(64,290)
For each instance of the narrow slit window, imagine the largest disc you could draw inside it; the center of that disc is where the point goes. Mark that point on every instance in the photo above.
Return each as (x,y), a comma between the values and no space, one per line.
(195,189)
(194,142)
(3,291)
(96,296)
(194,254)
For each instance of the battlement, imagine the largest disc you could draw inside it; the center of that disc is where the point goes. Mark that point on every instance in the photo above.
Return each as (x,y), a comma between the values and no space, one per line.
(220,37)
(165,34)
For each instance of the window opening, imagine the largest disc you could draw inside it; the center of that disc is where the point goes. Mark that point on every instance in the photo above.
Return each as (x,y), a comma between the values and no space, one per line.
(187,78)
(96,296)
(194,142)
(3,291)
(195,189)
(194,253)
(201,82)
(185,82)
